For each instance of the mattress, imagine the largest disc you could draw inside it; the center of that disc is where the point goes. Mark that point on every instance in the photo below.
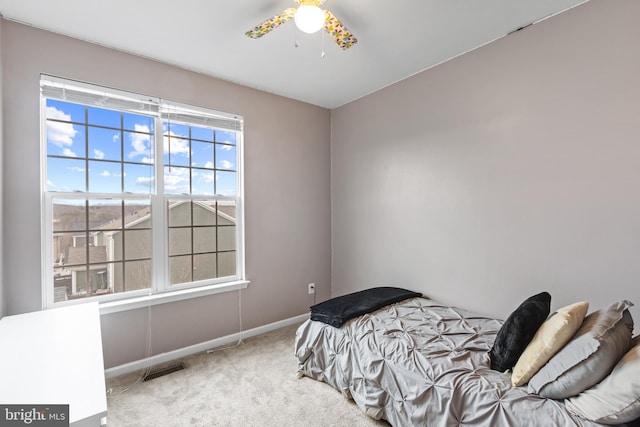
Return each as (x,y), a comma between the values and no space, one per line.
(421,363)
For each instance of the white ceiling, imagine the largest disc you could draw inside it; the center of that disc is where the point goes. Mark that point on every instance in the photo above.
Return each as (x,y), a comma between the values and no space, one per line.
(396,38)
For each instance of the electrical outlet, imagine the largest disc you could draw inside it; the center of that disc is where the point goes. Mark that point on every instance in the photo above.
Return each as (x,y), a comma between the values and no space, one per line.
(312,288)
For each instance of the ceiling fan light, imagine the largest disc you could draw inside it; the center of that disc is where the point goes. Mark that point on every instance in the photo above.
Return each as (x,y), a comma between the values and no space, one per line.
(309,19)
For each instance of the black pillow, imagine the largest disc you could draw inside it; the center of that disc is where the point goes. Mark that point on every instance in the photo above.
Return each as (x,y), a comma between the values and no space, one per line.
(518,330)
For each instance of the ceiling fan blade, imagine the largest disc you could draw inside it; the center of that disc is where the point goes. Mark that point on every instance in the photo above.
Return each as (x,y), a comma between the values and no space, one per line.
(271,23)
(338,32)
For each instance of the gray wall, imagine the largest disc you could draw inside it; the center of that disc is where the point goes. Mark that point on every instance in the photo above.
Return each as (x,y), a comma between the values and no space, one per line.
(287,189)
(2,304)
(507,171)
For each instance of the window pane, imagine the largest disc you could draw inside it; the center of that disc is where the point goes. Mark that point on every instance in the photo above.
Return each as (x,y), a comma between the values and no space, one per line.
(61,244)
(179,213)
(204,212)
(101,280)
(180,269)
(66,111)
(104,144)
(204,266)
(137,244)
(79,282)
(176,129)
(226,137)
(226,213)
(137,214)
(97,280)
(139,146)
(226,183)
(97,251)
(204,134)
(113,245)
(103,117)
(65,139)
(76,253)
(226,157)
(62,285)
(226,264)
(176,151)
(138,123)
(203,182)
(69,215)
(202,155)
(105,177)
(226,238)
(176,180)
(179,241)
(138,179)
(137,275)
(105,214)
(66,175)
(204,239)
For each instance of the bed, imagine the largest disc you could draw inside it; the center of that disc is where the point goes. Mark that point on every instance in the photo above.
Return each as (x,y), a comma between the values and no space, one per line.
(417,362)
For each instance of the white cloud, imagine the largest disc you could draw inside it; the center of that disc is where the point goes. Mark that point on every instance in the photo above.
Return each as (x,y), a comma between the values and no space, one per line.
(98,154)
(147,160)
(116,137)
(176,180)
(67,152)
(225,147)
(105,173)
(140,142)
(76,169)
(176,146)
(226,164)
(208,165)
(208,177)
(144,180)
(59,134)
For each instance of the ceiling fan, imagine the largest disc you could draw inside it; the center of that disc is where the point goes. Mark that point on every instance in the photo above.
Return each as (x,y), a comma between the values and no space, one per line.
(308,18)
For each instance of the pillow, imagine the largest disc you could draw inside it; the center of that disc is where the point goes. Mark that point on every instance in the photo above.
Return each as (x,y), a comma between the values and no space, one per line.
(616,399)
(603,338)
(517,331)
(554,333)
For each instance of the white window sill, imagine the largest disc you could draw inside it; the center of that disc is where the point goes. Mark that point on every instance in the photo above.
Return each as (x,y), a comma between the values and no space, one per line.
(165,297)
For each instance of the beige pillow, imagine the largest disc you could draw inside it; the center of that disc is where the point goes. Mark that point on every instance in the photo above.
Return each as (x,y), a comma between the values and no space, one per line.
(554,333)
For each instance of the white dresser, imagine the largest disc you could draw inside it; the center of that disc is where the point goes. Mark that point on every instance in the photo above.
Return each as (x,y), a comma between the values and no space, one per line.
(55,357)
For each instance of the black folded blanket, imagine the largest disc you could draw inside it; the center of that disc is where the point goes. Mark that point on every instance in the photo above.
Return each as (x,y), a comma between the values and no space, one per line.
(338,310)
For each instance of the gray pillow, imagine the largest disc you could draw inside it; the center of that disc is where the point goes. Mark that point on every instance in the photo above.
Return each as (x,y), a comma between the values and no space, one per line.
(603,338)
(616,399)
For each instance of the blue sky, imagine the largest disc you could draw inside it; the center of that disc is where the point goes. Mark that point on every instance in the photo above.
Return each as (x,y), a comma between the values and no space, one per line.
(112,152)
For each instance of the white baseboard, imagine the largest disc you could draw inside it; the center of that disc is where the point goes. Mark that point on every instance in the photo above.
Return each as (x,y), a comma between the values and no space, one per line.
(198,348)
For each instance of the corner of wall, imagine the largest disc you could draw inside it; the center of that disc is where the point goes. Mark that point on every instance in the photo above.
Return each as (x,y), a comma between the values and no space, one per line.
(2,303)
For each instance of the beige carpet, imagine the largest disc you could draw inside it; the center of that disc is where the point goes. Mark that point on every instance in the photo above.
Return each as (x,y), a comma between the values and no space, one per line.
(253,384)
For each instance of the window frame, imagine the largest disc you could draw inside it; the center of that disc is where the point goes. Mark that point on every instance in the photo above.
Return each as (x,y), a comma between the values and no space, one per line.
(161,290)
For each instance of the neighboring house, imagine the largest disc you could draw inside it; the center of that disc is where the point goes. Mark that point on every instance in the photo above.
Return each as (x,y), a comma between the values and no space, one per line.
(201,246)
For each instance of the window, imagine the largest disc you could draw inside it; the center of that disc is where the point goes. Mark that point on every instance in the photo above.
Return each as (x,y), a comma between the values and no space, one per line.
(140,196)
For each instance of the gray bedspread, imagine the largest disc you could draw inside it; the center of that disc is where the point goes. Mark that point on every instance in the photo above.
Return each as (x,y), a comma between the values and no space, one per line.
(420,363)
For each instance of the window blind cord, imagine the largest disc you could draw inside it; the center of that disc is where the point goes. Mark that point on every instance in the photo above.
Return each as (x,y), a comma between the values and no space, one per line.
(112,391)
(240,342)
(240,316)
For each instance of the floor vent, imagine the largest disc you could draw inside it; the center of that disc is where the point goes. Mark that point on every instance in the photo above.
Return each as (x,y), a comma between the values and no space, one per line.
(163,371)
